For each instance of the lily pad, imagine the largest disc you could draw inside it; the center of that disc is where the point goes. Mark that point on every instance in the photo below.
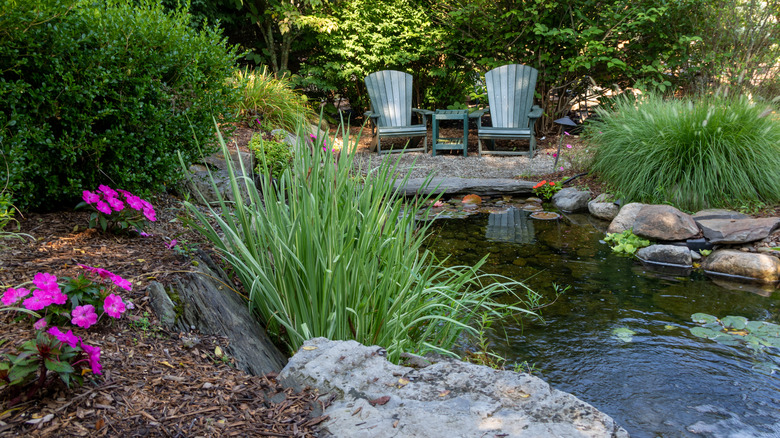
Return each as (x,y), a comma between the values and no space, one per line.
(703,332)
(532,207)
(623,334)
(735,322)
(725,339)
(703,318)
(472,199)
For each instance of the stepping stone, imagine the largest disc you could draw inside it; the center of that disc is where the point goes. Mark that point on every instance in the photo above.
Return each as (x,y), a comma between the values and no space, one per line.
(735,231)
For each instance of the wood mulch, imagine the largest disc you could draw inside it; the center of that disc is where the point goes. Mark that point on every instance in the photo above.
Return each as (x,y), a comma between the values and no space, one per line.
(154,382)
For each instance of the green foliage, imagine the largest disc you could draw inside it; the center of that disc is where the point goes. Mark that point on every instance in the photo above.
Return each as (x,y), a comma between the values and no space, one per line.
(547,189)
(709,152)
(269,102)
(626,242)
(98,91)
(326,254)
(274,156)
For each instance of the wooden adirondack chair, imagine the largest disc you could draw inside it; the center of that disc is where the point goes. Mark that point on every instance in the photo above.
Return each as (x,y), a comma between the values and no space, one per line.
(390,92)
(510,97)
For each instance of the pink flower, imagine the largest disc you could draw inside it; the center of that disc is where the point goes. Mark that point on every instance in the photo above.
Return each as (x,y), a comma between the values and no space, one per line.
(37,301)
(67,338)
(114,306)
(568,146)
(121,282)
(40,324)
(93,355)
(554,155)
(89,197)
(150,214)
(438,204)
(12,296)
(134,202)
(142,234)
(561,168)
(57,297)
(172,244)
(103,207)
(108,191)
(45,281)
(115,204)
(84,316)
(566,133)
(147,204)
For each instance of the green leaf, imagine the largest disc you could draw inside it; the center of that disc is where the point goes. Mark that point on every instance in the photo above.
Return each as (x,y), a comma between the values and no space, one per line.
(19,373)
(734,322)
(702,332)
(58,366)
(623,334)
(703,318)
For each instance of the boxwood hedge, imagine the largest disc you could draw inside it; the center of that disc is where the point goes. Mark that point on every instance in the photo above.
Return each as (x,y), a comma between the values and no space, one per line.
(104,91)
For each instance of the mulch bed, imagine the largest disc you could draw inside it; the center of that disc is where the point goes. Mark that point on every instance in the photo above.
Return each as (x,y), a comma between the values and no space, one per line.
(155,382)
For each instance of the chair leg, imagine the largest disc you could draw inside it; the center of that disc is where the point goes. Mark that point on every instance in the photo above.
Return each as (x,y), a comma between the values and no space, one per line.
(378,144)
(479,147)
(531,146)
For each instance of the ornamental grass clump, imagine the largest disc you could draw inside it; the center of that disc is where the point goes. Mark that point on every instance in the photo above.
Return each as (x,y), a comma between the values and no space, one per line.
(270,101)
(712,151)
(323,253)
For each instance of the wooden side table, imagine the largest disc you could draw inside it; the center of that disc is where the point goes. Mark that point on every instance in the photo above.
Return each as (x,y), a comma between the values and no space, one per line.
(450,143)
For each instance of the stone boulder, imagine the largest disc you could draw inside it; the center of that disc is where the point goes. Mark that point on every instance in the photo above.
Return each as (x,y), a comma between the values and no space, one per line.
(214,169)
(718,213)
(625,218)
(749,265)
(664,222)
(448,399)
(571,200)
(736,231)
(603,208)
(200,301)
(666,254)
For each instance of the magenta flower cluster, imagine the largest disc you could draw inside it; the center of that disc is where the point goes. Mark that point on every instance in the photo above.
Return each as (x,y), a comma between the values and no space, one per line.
(107,201)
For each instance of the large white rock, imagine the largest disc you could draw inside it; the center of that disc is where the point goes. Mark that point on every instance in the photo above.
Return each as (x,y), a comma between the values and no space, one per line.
(571,200)
(449,399)
(664,222)
(625,218)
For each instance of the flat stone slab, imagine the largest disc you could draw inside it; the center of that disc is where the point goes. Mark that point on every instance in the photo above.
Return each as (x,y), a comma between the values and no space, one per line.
(455,186)
(448,399)
(735,231)
(718,213)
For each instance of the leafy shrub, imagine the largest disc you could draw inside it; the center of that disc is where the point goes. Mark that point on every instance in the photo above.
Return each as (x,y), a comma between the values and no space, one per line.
(713,151)
(273,156)
(101,91)
(326,254)
(269,101)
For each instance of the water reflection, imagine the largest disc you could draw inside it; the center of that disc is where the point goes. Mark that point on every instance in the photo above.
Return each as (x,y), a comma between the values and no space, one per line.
(665,382)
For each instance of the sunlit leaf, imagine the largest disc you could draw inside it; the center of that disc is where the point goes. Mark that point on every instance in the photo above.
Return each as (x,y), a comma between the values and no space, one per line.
(703,318)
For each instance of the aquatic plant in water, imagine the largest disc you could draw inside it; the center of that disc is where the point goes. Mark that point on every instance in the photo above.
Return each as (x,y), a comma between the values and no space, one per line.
(735,330)
(626,242)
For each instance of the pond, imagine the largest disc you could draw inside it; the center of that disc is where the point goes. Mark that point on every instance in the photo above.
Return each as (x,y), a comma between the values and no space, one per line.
(620,336)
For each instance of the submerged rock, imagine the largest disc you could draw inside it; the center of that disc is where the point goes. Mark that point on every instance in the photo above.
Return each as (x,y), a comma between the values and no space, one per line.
(750,265)
(666,254)
(375,398)
(571,200)
(664,222)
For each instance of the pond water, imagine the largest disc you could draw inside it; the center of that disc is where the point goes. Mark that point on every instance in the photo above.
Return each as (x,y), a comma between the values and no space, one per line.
(656,380)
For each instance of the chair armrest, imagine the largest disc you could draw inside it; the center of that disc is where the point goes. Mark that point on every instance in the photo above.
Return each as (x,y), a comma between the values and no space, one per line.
(535,113)
(371,114)
(422,111)
(479,113)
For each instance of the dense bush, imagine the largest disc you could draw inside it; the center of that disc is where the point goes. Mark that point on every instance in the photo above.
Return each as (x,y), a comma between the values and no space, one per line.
(326,254)
(710,152)
(273,156)
(102,91)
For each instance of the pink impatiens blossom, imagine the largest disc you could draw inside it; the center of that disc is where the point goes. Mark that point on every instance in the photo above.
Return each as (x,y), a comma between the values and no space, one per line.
(134,202)
(40,324)
(12,296)
(67,338)
(84,316)
(113,306)
(93,355)
(103,207)
(172,244)
(108,191)
(89,197)
(37,301)
(57,297)
(568,146)
(150,214)
(116,204)
(46,282)
(121,282)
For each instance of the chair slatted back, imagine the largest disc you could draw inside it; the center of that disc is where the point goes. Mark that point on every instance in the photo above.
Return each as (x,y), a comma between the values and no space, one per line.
(390,92)
(511,94)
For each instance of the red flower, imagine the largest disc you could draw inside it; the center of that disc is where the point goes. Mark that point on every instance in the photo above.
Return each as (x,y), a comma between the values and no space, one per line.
(552,183)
